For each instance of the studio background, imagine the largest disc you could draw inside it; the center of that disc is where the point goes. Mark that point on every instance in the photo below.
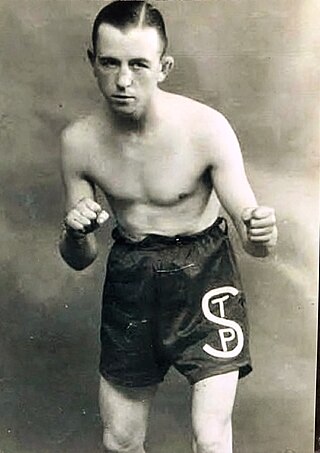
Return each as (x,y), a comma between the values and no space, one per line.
(258,63)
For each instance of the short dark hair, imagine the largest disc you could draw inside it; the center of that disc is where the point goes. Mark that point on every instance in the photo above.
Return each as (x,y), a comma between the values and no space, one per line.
(124,13)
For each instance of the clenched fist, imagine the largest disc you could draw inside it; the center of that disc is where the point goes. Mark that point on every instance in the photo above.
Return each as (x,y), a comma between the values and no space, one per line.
(85,218)
(260,225)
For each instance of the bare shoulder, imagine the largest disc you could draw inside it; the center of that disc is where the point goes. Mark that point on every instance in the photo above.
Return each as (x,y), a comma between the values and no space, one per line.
(206,126)
(78,139)
(200,118)
(81,131)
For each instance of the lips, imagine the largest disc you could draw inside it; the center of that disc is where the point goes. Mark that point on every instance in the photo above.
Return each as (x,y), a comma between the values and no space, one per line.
(122,97)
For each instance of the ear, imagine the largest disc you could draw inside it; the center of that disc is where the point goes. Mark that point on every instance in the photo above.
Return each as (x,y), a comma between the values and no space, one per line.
(167,64)
(91,56)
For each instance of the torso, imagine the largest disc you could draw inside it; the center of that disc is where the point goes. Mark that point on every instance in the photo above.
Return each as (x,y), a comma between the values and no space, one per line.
(156,183)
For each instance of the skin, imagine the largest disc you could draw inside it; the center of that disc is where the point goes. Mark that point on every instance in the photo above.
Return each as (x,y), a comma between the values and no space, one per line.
(166,164)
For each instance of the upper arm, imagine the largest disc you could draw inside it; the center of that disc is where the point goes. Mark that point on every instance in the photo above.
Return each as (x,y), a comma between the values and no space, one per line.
(228,172)
(72,169)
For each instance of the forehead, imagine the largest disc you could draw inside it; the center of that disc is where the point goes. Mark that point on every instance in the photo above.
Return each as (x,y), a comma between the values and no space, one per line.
(130,42)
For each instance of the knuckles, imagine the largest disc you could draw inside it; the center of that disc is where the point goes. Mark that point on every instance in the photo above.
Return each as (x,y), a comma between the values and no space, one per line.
(260,217)
(266,222)
(268,236)
(86,216)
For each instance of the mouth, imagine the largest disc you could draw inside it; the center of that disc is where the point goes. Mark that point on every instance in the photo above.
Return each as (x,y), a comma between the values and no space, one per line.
(122,97)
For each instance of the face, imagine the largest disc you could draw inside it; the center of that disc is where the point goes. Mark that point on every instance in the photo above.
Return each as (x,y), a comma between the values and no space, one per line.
(128,67)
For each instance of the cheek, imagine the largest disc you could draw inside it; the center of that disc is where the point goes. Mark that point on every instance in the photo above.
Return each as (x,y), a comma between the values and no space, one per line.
(105,77)
(147,80)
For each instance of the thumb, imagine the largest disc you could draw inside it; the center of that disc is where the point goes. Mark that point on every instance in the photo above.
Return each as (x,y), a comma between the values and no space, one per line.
(102,217)
(247,214)
(262,212)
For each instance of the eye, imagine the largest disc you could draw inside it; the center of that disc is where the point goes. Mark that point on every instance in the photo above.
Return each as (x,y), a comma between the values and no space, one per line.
(137,65)
(109,63)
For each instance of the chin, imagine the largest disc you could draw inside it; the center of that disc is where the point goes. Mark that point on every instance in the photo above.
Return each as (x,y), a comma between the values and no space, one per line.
(126,114)
(134,115)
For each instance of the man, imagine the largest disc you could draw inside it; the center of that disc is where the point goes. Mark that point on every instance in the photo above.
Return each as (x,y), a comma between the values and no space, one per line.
(172,294)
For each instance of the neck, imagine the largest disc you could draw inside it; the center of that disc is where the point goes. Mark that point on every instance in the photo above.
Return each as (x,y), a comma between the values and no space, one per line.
(129,124)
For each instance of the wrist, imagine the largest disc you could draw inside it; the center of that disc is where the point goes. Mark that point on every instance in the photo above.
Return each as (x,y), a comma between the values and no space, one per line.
(74,235)
(257,250)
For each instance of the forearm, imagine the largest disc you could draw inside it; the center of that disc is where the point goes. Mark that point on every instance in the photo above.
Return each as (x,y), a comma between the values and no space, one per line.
(257,241)
(236,202)
(78,252)
(249,247)
(255,224)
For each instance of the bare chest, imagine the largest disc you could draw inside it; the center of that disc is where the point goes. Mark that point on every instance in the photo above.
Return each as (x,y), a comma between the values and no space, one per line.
(159,172)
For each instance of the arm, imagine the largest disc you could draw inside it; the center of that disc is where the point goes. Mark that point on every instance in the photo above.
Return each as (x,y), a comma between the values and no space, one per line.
(78,245)
(255,225)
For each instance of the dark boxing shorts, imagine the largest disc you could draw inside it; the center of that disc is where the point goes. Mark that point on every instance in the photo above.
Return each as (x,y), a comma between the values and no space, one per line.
(173,301)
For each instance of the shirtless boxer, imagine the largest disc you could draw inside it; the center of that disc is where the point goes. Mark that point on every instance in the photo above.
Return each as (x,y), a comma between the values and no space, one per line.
(172,294)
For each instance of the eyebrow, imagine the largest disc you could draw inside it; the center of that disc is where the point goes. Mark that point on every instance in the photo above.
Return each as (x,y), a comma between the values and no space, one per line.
(134,59)
(109,57)
(140,59)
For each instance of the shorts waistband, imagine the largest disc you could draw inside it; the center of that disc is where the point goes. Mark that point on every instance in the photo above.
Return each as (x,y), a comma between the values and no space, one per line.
(220,225)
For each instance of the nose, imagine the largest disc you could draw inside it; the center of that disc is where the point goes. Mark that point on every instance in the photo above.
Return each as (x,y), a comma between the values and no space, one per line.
(124,77)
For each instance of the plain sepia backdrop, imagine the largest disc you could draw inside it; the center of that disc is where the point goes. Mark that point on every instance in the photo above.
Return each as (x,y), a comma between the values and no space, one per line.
(256,61)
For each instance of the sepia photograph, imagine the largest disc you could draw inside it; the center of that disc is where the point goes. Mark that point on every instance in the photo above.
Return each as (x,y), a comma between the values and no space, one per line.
(159,226)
